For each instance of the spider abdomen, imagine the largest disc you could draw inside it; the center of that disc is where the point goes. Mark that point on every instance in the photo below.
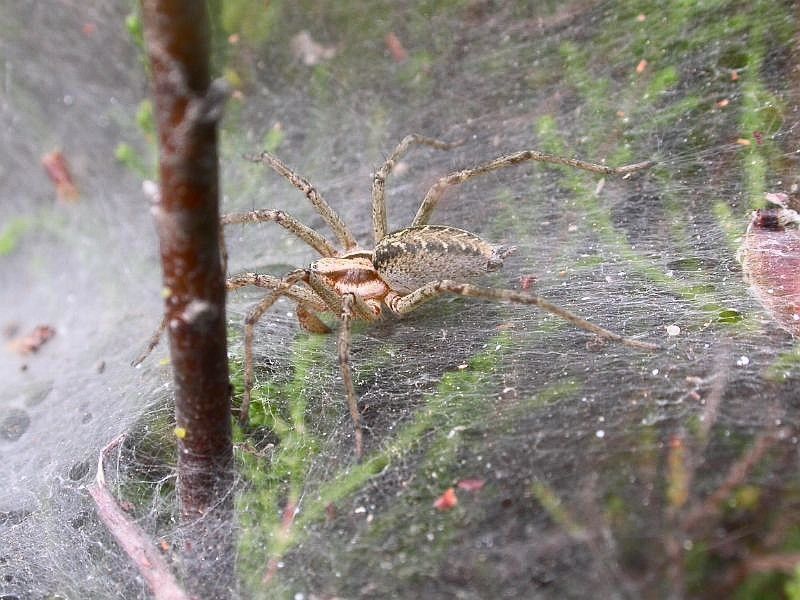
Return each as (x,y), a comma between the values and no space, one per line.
(409,258)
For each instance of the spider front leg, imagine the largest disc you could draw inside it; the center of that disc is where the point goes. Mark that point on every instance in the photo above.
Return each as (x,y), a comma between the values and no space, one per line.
(405,304)
(437,189)
(321,297)
(379,220)
(282,287)
(285,220)
(324,209)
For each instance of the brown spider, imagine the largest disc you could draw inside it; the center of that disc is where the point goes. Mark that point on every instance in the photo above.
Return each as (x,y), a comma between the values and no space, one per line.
(405,269)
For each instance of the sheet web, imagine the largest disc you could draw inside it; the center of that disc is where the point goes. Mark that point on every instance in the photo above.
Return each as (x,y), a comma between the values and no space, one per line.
(579,462)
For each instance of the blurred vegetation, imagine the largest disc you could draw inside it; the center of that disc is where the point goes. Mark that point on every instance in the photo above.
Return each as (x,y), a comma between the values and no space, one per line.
(741,50)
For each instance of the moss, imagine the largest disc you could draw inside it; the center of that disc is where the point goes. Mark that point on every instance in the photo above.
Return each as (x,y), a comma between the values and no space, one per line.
(12,233)
(786,366)
(250,19)
(662,81)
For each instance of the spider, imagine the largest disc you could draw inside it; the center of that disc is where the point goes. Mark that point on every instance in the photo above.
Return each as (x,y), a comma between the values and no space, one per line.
(405,269)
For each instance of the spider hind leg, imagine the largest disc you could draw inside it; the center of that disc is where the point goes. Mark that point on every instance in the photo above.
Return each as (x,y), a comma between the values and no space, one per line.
(405,304)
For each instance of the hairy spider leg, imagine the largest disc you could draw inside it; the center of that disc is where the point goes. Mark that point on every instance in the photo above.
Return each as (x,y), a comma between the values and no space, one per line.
(155,337)
(285,220)
(456,177)
(405,304)
(281,287)
(297,293)
(320,297)
(324,209)
(379,218)
(347,372)
(288,222)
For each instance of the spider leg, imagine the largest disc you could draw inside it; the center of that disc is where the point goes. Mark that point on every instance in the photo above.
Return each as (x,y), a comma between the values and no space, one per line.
(379,221)
(305,233)
(324,209)
(297,293)
(283,288)
(347,372)
(321,297)
(308,303)
(348,306)
(405,304)
(302,296)
(288,222)
(155,338)
(437,189)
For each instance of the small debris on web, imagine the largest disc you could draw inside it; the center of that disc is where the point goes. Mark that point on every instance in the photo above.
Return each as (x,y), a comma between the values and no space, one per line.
(447,500)
(55,165)
(330,512)
(526,281)
(10,330)
(471,485)
(308,51)
(32,342)
(398,53)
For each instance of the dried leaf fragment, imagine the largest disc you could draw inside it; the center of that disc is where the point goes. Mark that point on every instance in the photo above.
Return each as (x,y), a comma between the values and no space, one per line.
(55,165)
(677,473)
(30,343)
(395,47)
(447,500)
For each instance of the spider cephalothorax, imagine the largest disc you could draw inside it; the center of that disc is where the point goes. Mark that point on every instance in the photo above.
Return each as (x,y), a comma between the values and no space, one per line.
(405,269)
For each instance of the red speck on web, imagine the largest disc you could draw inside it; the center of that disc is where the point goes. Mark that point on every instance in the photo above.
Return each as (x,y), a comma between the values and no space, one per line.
(447,500)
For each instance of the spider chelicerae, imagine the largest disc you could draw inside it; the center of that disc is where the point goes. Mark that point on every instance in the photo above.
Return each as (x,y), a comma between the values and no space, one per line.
(405,269)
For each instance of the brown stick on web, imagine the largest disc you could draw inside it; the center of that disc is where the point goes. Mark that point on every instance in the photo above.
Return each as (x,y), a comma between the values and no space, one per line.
(134,541)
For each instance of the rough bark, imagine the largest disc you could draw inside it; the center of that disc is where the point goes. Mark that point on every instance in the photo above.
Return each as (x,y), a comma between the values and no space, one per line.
(188,108)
